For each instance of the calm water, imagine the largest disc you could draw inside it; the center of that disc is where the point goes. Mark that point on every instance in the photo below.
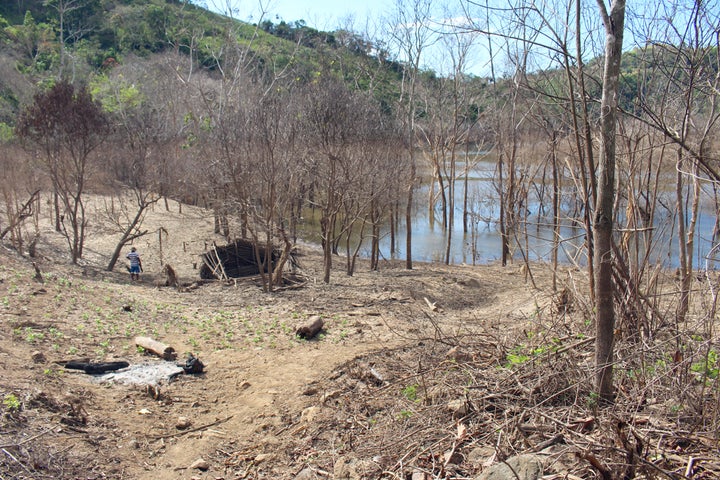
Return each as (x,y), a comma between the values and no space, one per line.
(482,244)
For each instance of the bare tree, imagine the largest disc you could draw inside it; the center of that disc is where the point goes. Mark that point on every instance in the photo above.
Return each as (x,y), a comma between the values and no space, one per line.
(273,184)
(64,9)
(679,99)
(67,125)
(143,136)
(329,117)
(20,197)
(410,32)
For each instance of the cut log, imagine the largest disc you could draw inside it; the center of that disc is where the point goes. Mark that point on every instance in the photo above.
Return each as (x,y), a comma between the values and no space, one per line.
(310,328)
(160,349)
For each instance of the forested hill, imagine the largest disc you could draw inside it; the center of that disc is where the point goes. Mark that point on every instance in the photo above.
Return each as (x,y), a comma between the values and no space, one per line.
(97,34)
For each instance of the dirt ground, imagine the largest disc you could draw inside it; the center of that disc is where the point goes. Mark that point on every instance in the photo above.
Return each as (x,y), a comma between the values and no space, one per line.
(369,397)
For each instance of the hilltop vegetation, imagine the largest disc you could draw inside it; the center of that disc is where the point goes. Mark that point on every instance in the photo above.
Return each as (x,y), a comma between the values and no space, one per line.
(99,35)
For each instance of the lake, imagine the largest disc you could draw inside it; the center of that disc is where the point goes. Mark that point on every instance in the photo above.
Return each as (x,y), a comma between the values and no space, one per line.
(482,244)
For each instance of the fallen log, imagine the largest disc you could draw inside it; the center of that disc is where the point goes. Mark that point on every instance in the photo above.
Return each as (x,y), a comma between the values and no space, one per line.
(163,351)
(310,328)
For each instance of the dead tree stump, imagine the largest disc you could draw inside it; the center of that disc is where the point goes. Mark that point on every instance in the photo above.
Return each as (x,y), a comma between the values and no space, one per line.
(171,279)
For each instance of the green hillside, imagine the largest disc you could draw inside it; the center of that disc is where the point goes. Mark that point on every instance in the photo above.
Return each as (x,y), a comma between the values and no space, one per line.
(99,34)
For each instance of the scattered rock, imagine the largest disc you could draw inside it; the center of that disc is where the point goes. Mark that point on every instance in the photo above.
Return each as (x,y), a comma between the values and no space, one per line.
(354,469)
(419,475)
(310,391)
(452,457)
(468,282)
(310,414)
(38,357)
(484,456)
(306,474)
(200,464)
(183,423)
(521,467)
(455,354)
(459,407)
(383,460)
(264,457)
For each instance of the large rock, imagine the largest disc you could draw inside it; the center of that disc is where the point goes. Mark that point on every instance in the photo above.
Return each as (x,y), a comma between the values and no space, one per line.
(521,467)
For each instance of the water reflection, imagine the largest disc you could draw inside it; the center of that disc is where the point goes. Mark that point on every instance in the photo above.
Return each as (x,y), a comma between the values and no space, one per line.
(482,243)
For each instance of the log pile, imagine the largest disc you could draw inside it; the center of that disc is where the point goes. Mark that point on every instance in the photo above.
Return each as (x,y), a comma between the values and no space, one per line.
(237,259)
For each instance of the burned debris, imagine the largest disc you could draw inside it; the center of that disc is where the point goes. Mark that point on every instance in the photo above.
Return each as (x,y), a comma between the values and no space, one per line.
(241,258)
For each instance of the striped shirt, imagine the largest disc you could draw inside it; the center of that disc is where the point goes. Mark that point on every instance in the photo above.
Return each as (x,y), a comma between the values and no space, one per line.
(134,258)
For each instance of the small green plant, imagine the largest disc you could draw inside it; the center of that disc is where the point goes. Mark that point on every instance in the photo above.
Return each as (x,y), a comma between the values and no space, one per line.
(31,336)
(72,351)
(593,399)
(411,392)
(55,333)
(405,414)
(516,359)
(707,366)
(540,350)
(105,345)
(11,403)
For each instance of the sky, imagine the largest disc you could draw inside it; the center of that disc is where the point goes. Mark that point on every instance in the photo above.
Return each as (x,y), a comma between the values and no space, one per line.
(320,14)
(365,16)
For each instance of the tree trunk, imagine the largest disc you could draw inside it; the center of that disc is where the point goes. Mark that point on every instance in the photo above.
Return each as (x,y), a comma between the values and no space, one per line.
(603,220)
(408,215)
(556,210)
